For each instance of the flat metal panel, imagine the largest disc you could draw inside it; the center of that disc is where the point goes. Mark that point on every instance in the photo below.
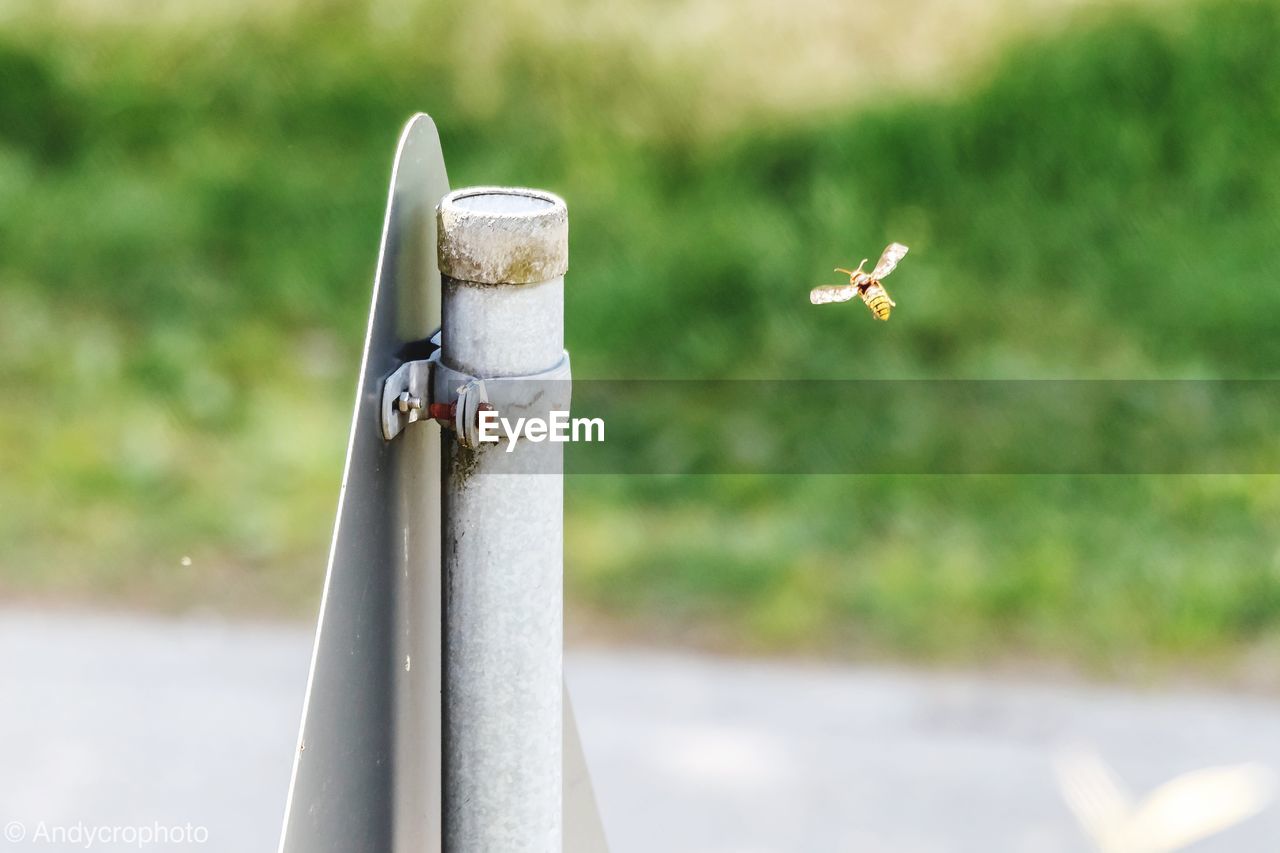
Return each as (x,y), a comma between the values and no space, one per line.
(583,830)
(367,772)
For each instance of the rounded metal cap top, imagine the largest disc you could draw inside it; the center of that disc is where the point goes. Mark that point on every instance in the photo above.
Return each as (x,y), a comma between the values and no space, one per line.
(503,235)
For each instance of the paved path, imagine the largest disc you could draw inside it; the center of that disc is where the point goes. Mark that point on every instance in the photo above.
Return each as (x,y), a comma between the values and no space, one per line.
(131,721)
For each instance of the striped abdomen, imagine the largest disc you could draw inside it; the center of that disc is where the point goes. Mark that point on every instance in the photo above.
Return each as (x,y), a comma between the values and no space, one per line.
(877,300)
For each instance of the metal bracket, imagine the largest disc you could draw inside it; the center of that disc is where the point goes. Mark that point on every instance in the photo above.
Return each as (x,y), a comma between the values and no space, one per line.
(406,393)
(429,389)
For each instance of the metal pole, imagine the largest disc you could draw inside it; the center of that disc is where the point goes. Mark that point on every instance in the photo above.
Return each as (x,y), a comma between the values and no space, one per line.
(503,255)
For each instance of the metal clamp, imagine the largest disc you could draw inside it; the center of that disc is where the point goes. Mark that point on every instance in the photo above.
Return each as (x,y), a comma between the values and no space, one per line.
(406,393)
(430,389)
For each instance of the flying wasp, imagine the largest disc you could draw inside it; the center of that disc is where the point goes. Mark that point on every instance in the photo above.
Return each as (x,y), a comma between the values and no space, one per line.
(864,284)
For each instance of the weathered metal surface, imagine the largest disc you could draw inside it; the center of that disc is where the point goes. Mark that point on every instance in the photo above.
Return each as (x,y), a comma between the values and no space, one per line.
(503,235)
(367,773)
(503,552)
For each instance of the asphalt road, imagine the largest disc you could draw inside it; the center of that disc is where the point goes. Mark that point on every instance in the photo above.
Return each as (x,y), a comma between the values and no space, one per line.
(110,721)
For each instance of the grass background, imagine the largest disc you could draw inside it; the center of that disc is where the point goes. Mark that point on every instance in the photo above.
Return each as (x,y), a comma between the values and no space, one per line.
(190,221)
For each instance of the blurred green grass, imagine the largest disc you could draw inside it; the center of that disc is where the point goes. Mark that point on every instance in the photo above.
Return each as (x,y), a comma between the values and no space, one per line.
(189,230)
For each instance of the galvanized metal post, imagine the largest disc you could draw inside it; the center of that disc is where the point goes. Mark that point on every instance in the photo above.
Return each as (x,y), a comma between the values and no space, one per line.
(503,254)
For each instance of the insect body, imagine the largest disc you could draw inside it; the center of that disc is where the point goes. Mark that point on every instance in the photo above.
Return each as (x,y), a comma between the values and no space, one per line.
(877,300)
(865,285)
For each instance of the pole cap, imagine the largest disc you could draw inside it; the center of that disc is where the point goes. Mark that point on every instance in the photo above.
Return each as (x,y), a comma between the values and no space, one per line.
(502,235)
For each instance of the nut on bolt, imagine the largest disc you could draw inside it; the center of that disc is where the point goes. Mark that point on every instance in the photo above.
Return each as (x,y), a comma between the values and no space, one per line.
(406,402)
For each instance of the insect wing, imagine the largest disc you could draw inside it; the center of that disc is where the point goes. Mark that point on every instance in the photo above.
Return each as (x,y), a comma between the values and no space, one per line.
(1093,793)
(893,253)
(833,293)
(1201,803)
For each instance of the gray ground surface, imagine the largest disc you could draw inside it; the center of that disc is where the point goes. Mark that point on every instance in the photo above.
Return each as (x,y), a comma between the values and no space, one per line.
(133,721)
